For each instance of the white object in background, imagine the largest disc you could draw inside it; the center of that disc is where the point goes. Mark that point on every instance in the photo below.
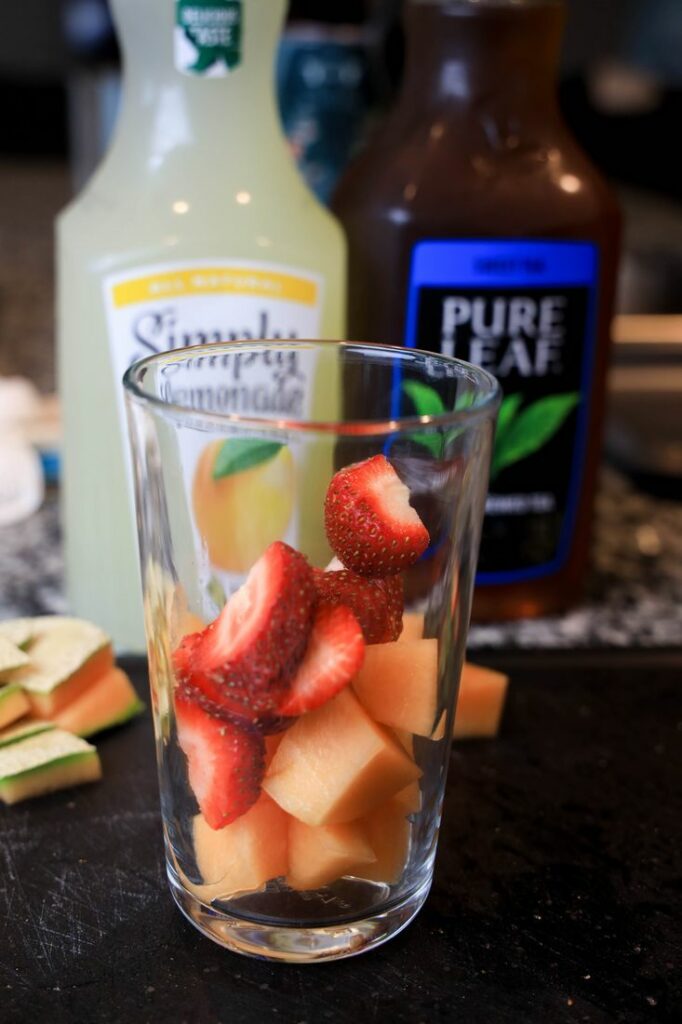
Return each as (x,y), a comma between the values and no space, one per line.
(22,485)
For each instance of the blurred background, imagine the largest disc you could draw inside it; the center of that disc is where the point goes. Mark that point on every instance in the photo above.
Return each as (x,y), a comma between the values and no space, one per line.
(339,67)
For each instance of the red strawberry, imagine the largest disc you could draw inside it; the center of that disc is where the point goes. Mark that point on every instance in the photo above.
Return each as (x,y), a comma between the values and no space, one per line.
(376,604)
(333,656)
(225,763)
(369,521)
(244,661)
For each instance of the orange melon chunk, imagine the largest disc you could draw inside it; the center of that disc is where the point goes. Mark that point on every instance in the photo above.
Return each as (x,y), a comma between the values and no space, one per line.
(480,702)
(398,685)
(335,764)
(319,855)
(111,700)
(389,836)
(413,626)
(271,744)
(243,856)
(406,740)
(410,798)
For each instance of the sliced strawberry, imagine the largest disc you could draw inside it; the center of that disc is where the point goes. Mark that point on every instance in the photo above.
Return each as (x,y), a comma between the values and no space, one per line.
(225,763)
(376,604)
(369,521)
(244,661)
(333,656)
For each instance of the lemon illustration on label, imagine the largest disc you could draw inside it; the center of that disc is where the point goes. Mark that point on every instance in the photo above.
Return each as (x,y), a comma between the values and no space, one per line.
(243,499)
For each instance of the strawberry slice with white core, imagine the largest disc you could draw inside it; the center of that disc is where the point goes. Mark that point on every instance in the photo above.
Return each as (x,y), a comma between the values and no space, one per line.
(370,523)
(244,660)
(225,763)
(334,655)
(376,604)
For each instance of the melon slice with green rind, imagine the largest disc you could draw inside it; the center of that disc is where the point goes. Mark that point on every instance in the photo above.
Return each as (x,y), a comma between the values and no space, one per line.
(42,764)
(398,685)
(14,704)
(17,631)
(11,658)
(16,733)
(244,855)
(335,764)
(66,656)
(319,855)
(111,700)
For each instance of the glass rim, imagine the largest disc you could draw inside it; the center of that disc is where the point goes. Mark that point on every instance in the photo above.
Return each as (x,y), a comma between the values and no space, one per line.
(485,404)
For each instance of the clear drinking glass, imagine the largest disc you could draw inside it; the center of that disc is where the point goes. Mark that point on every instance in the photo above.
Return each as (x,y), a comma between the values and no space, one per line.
(303,716)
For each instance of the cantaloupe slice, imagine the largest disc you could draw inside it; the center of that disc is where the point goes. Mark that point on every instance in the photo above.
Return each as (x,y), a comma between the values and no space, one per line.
(388,831)
(243,856)
(16,733)
(413,626)
(410,798)
(14,704)
(66,657)
(398,685)
(44,763)
(335,764)
(17,631)
(11,658)
(480,702)
(320,854)
(406,740)
(111,700)
(272,742)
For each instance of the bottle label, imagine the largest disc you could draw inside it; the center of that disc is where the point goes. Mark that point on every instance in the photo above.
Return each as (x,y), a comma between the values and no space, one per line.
(208,36)
(525,311)
(154,309)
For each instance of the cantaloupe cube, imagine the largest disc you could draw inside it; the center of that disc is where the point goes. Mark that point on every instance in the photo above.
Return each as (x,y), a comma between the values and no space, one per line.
(272,742)
(389,835)
(243,856)
(335,764)
(320,854)
(111,700)
(406,740)
(398,685)
(413,626)
(480,702)
(410,798)
(14,704)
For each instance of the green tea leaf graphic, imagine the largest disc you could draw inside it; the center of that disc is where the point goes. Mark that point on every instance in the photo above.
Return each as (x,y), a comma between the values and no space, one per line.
(239,454)
(532,429)
(425,399)
(507,413)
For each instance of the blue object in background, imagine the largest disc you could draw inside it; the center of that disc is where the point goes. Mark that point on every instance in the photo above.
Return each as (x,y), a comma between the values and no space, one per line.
(323,85)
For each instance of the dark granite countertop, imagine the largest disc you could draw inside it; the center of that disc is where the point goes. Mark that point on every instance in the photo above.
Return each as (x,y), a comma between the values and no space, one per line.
(556,895)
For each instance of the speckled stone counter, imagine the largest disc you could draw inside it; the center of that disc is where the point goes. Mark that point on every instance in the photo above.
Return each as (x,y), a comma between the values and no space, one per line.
(633,598)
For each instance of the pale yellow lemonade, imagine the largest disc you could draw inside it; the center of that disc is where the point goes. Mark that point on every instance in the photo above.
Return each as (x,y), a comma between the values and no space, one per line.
(197,227)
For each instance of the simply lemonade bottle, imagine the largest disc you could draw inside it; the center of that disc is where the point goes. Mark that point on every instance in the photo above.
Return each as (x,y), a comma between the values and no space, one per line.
(196,228)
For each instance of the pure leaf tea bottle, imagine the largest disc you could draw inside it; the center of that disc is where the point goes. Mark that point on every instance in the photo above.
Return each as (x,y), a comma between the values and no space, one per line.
(196,228)
(477,227)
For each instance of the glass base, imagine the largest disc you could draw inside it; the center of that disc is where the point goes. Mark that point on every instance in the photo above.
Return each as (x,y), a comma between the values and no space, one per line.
(297,944)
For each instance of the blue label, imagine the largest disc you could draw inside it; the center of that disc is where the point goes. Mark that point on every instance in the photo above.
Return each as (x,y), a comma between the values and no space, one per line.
(525,311)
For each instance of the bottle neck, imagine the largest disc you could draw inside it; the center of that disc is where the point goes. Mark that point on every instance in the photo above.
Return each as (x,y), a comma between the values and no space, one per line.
(166,105)
(462,54)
